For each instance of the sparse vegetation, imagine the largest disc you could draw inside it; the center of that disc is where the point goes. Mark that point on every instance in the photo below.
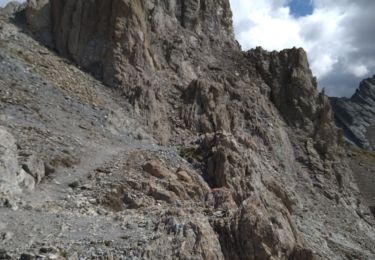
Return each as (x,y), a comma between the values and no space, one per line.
(64,254)
(64,161)
(367,155)
(190,153)
(25,56)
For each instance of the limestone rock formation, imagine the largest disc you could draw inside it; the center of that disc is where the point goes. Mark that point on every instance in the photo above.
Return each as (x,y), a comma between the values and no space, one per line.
(112,39)
(197,151)
(357,115)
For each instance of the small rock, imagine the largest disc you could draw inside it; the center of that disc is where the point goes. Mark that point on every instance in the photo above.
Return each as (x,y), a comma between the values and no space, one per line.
(27,257)
(160,194)
(48,250)
(108,243)
(26,181)
(132,201)
(74,185)
(48,169)
(4,254)
(6,236)
(35,167)
(156,169)
(183,176)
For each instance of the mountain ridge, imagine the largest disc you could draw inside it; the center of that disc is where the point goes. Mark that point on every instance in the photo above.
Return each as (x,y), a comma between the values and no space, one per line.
(357,114)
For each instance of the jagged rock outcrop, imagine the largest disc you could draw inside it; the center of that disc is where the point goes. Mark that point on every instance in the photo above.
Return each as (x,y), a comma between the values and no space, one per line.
(293,90)
(13,178)
(242,128)
(265,176)
(357,115)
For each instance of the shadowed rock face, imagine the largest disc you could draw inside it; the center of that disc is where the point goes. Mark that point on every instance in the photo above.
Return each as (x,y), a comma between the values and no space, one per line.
(357,115)
(265,176)
(111,38)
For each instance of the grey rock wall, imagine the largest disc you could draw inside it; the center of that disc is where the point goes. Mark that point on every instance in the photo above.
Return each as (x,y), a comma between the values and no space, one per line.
(356,115)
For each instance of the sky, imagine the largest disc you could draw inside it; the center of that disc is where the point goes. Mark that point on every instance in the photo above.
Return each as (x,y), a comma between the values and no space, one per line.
(3,2)
(338,35)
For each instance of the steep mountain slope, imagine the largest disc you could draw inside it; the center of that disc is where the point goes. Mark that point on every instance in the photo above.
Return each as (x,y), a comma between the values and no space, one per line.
(357,114)
(196,150)
(357,117)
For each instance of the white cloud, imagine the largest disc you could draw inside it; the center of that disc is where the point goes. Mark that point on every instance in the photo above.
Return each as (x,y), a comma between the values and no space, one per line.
(359,70)
(331,35)
(4,2)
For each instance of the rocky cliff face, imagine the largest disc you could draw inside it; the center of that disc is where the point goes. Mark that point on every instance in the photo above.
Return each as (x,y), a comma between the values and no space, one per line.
(146,48)
(114,39)
(198,151)
(357,115)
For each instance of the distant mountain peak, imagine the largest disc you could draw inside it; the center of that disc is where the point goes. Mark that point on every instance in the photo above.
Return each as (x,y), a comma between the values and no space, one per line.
(357,114)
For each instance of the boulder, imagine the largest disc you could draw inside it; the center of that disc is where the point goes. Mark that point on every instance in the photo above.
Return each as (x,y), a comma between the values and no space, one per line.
(157,170)
(14,179)
(34,167)
(25,181)
(183,176)
(8,162)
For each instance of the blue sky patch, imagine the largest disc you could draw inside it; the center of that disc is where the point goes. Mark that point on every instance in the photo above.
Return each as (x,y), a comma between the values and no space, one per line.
(300,8)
